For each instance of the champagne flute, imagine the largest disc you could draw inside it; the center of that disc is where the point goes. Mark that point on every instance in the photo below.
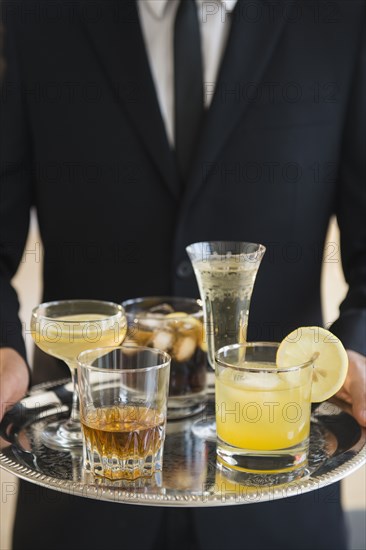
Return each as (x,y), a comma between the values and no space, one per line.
(225,273)
(64,329)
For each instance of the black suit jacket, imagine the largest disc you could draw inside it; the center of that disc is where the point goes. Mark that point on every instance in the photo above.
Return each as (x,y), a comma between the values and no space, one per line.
(281,150)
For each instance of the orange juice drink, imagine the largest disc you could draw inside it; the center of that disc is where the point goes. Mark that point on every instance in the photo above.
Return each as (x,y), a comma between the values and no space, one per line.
(261,408)
(262,411)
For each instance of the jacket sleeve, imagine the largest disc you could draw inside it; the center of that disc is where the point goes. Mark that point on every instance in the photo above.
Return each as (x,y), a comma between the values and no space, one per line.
(15,183)
(350,327)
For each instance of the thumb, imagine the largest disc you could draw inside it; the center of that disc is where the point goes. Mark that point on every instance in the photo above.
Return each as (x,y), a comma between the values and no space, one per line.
(357,385)
(359,405)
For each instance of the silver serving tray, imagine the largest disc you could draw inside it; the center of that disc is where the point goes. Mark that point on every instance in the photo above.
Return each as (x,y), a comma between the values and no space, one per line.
(189,476)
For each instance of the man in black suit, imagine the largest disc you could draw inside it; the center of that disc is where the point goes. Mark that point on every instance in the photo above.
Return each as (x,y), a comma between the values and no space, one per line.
(125,172)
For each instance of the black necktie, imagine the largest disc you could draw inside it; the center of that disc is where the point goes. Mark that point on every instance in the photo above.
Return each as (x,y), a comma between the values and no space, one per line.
(188,84)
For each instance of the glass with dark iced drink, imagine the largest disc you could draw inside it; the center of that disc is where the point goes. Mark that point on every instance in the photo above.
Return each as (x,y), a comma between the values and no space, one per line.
(174,325)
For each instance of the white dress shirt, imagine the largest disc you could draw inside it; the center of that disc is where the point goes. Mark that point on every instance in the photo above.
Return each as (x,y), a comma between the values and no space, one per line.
(157,21)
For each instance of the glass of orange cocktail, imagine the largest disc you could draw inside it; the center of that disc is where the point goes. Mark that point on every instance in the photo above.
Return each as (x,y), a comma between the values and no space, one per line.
(262,410)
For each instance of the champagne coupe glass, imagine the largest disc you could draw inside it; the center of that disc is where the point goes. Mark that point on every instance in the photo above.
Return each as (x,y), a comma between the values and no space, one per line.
(64,329)
(225,273)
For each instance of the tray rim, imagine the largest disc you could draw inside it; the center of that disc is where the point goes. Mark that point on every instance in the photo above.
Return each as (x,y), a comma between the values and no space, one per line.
(184,499)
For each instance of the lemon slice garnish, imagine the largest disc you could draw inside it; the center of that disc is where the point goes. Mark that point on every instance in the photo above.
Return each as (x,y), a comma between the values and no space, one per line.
(329,358)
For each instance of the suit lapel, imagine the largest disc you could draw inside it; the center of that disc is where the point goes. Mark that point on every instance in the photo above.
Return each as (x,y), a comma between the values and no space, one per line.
(249,49)
(114,29)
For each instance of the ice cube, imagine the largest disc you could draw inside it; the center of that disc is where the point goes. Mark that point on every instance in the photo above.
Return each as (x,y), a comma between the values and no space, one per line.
(163,339)
(162,309)
(149,321)
(293,378)
(257,380)
(186,326)
(184,348)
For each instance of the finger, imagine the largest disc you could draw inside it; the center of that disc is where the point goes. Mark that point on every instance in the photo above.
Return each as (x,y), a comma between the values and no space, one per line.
(344,395)
(359,403)
(355,385)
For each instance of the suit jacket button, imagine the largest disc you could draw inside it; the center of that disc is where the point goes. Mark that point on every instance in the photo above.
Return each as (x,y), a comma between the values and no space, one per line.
(184,269)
